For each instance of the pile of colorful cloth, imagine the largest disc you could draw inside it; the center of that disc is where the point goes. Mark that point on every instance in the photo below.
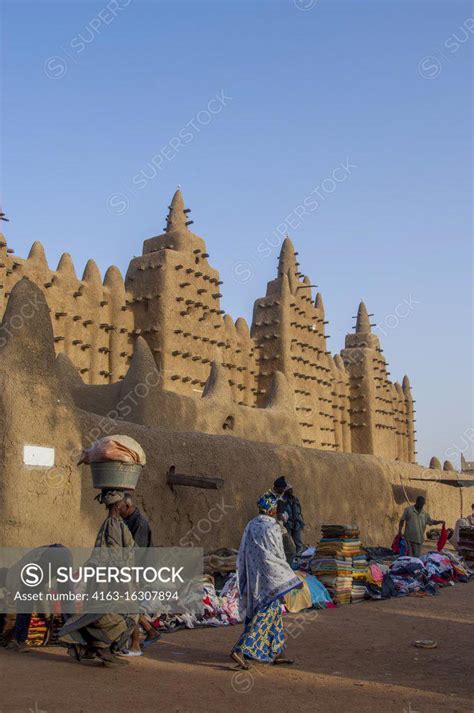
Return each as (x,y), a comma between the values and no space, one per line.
(313,593)
(217,609)
(463,570)
(409,574)
(445,567)
(336,575)
(415,576)
(341,563)
(374,580)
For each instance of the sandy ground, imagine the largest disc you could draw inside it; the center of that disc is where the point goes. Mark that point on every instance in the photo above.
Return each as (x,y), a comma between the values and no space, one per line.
(358,657)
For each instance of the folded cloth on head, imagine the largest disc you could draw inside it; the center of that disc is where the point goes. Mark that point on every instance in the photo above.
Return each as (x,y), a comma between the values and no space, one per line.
(121,449)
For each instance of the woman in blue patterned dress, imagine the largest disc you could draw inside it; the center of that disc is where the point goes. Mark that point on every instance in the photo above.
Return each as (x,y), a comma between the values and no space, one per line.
(264,578)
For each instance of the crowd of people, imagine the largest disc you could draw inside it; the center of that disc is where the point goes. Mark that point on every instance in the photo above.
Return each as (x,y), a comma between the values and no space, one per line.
(269,544)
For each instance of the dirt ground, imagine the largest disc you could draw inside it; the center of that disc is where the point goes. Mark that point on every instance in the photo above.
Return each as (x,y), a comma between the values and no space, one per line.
(359,657)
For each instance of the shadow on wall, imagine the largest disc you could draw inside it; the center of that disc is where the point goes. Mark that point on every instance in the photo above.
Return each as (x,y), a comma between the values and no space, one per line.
(403,492)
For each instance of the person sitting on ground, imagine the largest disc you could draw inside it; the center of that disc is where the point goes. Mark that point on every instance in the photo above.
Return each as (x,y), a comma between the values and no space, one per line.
(264,577)
(415,519)
(141,533)
(295,522)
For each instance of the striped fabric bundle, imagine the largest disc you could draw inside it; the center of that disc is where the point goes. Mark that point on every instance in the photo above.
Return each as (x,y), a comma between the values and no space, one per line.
(466,538)
(358,592)
(360,567)
(359,564)
(336,575)
(340,532)
(38,631)
(335,547)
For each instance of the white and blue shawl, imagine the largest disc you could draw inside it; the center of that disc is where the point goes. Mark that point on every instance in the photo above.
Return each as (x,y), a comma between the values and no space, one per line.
(262,570)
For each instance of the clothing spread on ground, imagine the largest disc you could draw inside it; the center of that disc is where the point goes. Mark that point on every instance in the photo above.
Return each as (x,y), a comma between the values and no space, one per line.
(337,571)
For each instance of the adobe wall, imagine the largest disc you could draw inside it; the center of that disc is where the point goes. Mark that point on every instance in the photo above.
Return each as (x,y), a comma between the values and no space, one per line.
(333,487)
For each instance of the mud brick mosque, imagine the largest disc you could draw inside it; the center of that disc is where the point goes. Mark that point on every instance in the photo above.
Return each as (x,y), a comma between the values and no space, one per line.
(155,357)
(171,298)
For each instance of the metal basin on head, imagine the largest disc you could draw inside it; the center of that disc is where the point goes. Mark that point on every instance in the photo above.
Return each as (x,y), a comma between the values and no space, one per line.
(117,476)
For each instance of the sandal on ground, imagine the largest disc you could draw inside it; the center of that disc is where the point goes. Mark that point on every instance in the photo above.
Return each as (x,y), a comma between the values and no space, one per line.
(152,635)
(76,652)
(281,661)
(108,658)
(19,647)
(239,659)
(150,640)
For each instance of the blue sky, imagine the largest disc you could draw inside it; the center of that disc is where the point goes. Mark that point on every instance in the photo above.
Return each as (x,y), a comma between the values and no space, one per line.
(252,107)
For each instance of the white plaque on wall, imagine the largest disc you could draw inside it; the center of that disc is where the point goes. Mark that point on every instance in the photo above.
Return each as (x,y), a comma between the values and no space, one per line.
(40,456)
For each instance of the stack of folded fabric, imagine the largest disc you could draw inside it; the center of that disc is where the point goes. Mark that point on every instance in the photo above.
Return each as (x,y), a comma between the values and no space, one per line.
(340,540)
(345,577)
(466,543)
(358,592)
(359,581)
(336,575)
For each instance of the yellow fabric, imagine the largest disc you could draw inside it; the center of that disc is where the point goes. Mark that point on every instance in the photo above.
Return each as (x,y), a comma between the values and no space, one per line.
(299,599)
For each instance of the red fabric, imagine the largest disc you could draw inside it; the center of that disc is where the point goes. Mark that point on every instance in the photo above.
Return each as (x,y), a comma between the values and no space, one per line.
(396,544)
(443,538)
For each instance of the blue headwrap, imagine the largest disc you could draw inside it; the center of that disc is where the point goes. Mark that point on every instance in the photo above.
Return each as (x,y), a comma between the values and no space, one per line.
(267,502)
